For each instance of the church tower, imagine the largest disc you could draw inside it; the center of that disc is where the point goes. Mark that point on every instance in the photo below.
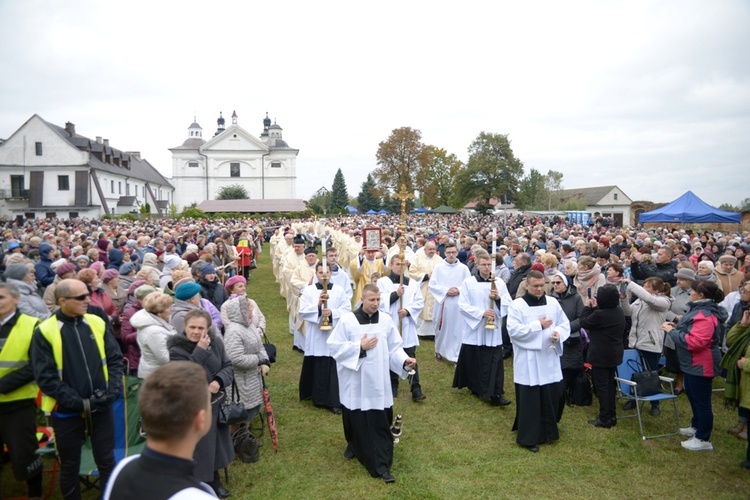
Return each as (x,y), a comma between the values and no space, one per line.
(219,125)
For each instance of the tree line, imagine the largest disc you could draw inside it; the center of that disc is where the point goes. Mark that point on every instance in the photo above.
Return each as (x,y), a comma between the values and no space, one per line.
(440,178)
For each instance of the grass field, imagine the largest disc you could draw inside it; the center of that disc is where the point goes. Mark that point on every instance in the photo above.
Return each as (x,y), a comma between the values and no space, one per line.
(455,446)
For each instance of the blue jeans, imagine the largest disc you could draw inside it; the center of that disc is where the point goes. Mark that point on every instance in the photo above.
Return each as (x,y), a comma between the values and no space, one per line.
(698,390)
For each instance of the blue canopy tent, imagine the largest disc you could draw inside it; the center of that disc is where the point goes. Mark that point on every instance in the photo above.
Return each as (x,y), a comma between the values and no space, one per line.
(371,212)
(383,211)
(351,209)
(421,210)
(688,208)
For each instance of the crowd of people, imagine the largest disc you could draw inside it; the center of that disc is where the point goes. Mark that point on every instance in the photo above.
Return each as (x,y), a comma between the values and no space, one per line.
(84,300)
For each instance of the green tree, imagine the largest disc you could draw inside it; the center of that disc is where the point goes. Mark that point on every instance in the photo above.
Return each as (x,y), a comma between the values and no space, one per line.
(339,196)
(145,208)
(400,159)
(438,177)
(492,170)
(553,185)
(232,192)
(729,207)
(368,196)
(320,202)
(532,193)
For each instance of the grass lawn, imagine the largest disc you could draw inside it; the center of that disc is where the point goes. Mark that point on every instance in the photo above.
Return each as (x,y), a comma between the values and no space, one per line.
(456,446)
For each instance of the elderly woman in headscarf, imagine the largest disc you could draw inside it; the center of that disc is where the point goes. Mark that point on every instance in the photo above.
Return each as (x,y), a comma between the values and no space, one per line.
(171,262)
(23,278)
(150,263)
(571,361)
(589,276)
(111,285)
(245,349)
(728,276)
(236,286)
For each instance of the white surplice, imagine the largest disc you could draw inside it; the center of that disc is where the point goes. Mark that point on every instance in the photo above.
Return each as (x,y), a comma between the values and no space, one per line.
(473,301)
(534,362)
(413,302)
(449,323)
(315,338)
(364,382)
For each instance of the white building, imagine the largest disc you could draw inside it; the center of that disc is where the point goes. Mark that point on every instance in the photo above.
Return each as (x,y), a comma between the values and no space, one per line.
(48,171)
(604,201)
(266,167)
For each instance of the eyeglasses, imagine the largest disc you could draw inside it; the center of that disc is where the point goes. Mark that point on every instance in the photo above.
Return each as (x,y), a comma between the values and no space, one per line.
(557,282)
(79,297)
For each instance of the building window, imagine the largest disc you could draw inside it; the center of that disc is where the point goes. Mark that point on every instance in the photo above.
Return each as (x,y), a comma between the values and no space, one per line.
(144,192)
(112,187)
(234,169)
(73,215)
(16,186)
(615,196)
(119,188)
(63,183)
(276,164)
(38,148)
(193,164)
(127,189)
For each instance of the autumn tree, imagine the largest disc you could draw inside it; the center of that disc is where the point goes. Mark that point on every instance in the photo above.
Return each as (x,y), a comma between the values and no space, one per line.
(339,196)
(400,159)
(438,177)
(368,196)
(492,170)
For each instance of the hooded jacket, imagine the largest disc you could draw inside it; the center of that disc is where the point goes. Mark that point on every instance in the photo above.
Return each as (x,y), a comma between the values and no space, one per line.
(648,313)
(697,338)
(115,259)
(245,349)
(43,269)
(152,336)
(605,325)
(572,305)
(30,302)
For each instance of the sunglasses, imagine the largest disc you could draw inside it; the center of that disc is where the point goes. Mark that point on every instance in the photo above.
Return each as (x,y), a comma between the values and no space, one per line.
(79,297)
(557,282)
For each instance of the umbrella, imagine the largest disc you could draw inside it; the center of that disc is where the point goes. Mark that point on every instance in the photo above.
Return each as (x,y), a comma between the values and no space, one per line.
(270,418)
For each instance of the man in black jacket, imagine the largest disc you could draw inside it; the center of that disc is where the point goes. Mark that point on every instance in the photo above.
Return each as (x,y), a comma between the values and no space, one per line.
(78,366)
(665,267)
(166,466)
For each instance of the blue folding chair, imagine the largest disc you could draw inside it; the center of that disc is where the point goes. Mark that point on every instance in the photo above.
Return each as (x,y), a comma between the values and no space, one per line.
(628,390)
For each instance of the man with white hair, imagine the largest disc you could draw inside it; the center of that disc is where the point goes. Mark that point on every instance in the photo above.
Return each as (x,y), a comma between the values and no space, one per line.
(420,271)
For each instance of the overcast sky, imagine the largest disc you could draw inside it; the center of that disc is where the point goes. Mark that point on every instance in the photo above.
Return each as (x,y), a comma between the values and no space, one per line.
(653,96)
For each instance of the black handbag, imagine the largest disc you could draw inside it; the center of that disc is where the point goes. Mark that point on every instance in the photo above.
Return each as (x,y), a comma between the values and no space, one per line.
(232,411)
(647,381)
(270,348)
(245,445)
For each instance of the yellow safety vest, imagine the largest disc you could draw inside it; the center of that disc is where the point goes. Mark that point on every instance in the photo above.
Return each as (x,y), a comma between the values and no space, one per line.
(15,355)
(50,329)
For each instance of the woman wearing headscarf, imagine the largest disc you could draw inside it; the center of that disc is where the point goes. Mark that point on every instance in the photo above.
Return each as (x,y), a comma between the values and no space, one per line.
(727,274)
(589,276)
(244,347)
(150,263)
(196,343)
(648,313)
(604,320)
(100,298)
(211,287)
(111,285)
(697,337)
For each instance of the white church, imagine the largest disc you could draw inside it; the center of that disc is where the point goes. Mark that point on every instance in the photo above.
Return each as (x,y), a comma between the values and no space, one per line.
(265,167)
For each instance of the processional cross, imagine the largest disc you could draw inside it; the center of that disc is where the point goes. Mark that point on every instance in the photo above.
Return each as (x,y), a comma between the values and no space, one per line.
(403,195)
